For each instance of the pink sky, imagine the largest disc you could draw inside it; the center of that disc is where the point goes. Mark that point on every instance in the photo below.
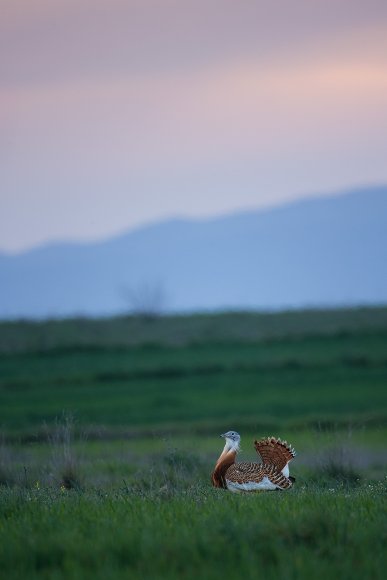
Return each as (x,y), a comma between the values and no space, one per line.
(113,114)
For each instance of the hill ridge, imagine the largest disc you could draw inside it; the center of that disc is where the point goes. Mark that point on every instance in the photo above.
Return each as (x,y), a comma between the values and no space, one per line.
(324,251)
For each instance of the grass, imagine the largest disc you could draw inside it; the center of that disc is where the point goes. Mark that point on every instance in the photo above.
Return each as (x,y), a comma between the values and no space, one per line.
(110,430)
(194,532)
(255,384)
(182,330)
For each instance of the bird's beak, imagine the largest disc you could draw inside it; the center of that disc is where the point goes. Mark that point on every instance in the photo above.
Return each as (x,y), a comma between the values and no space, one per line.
(223,435)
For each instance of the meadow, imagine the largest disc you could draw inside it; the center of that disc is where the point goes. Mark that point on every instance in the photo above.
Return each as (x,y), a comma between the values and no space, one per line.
(195,533)
(110,429)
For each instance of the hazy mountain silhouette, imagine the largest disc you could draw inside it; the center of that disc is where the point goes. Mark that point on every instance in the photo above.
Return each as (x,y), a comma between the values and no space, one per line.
(316,252)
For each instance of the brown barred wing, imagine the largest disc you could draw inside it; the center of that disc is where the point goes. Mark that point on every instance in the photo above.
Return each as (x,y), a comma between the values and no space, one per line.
(274,452)
(245,472)
(256,473)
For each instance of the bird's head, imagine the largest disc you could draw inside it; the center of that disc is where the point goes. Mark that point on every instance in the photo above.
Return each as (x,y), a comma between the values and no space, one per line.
(232,440)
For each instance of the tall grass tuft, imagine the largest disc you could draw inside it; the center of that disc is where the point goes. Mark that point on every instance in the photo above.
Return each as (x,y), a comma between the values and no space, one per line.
(335,466)
(65,464)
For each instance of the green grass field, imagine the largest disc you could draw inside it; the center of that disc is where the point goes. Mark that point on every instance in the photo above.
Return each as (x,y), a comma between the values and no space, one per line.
(195,533)
(110,429)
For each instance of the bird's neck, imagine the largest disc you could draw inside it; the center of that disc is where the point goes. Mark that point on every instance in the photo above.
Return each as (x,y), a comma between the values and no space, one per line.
(226,458)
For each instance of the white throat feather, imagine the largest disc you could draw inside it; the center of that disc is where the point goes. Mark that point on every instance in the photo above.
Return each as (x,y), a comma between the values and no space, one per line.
(231,446)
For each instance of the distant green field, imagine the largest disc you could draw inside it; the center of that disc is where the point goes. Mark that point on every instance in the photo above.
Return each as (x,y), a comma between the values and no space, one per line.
(183,330)
(326,390)
(279,382)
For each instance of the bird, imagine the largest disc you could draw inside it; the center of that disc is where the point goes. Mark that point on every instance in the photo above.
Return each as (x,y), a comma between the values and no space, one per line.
(271,474)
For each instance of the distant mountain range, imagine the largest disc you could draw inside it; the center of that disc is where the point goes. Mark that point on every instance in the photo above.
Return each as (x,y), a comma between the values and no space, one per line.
(326,251)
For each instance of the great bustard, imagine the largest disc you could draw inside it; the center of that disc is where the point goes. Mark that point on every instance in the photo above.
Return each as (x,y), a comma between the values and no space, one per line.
(272,473)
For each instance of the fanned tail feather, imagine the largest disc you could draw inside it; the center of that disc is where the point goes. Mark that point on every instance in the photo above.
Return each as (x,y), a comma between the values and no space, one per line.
(275,452)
